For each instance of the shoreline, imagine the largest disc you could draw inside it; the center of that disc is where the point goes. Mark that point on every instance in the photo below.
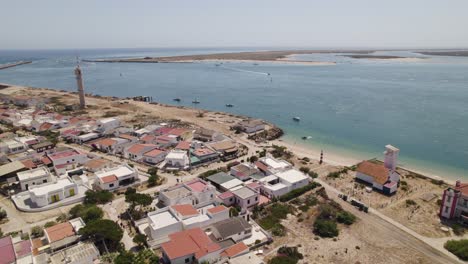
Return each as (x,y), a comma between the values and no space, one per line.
(333,157)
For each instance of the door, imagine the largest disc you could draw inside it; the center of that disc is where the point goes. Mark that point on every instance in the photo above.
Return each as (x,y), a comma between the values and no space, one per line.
(55,198)
(72,192)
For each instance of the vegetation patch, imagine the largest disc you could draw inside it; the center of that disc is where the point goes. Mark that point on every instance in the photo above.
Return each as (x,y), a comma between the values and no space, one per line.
(458,247)
(298,192)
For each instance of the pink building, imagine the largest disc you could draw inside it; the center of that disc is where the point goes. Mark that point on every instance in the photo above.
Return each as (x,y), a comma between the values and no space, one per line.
(455,203)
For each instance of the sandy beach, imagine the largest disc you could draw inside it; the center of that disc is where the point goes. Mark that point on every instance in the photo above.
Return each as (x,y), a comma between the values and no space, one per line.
(219,121)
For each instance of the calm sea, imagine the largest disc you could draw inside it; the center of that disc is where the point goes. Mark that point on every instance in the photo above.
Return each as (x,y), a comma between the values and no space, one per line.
(354,107)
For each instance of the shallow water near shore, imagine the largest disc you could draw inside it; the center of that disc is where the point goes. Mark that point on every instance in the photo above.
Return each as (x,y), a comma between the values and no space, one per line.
(355,107)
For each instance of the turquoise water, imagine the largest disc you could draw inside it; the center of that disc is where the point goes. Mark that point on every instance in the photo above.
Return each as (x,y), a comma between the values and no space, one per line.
(354,107)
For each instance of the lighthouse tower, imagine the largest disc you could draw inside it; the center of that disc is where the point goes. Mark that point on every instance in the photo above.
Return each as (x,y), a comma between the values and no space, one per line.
(391,157)
(79,83)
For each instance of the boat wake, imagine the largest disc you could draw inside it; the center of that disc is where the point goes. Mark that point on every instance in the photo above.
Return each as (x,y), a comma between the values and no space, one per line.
(247,71)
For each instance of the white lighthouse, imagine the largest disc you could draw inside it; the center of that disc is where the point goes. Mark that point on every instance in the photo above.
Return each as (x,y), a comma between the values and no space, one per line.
(79,83)
(391,157)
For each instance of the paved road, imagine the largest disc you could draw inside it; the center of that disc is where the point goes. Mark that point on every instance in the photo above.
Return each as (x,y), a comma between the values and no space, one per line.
(393,230)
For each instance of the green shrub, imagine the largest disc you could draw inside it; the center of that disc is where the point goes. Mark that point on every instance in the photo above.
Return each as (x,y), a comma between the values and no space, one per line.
(410,202)
(98,197)
(313,174)
(298,192)
(437,182)
(325,228)
(346,218)
(88,212)
(282,260)
(278,230)
(458,247)
(305,170)
(37,231)
(458,229)
(3,214)
(49,224)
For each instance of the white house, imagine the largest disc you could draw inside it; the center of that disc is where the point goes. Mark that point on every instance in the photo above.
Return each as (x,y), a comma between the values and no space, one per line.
(10,146)
(136,151)
(246,197)
(107,124)
(382,177)
(34,177)
(81,139)
(283,182)
(269,165)
(205,154)
(113,178)
(114,145)
(177,159)
(175,218)
(196,192)
(68,156)
(53,192)
(154,156)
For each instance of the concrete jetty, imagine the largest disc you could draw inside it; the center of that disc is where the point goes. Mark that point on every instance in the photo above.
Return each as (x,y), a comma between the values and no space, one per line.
(14,64)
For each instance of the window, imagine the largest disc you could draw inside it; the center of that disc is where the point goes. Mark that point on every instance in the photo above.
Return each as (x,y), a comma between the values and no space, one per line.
(449,198)
(230,199)
(187,260)
(248,201)
(446,209)
(256,198)
(111,185)
(211,195)
(44,181)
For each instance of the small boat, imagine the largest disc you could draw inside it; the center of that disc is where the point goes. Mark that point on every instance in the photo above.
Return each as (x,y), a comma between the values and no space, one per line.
(268,73)
(217,64)
(229,105)
(306,138)
(177,99)
(195,101)
(296,118)
(255,64)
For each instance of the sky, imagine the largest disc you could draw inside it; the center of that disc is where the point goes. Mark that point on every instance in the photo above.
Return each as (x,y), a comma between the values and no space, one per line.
(59,24)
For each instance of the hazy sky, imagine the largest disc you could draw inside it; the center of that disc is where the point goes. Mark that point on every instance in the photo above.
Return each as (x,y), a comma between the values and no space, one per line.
(42,24)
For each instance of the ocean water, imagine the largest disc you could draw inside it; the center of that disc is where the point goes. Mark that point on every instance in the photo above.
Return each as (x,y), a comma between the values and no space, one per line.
(355,107)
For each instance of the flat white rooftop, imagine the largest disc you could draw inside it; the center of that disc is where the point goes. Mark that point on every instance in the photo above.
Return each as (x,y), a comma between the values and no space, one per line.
(268,178)
(292,176)
(120,171)
(232,183)
(162,219)
(275,164)
(47,188)
(176,154)
(276,187)
(33,174)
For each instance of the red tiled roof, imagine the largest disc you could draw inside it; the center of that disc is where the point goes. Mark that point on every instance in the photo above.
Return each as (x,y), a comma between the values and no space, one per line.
(192,241)
(29,164)
(148,138)
(376,171)
(178,131)
(235,250)
(254,185)
(262,166)
(185,209)
(184,145)
(46,160)
(23,248)
(202,151)
(106,142)
(109,179)
(137,148)
(225,195)
(154,153)
(217,209)
(59,232)
(163,130)
(7,251)
(463,188)
(63,154)
(45,126)
(196,185)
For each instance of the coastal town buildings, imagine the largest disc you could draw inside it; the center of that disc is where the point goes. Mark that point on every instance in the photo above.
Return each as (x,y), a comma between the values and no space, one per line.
(251,126)
(34,177)
(52,192)
(269,165)
(243,171)
(455,203)
(235,228)
(168,220)
(176,159)
(280,183)
(382,177)
(135,152)
(196,192)
(116,177)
